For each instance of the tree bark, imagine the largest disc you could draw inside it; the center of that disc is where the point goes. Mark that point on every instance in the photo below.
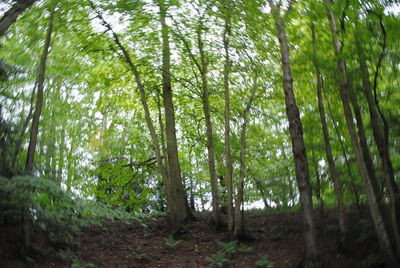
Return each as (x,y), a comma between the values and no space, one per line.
(180,211)
(298,148)
(39,101)
(228,154)
(337,184)
(12,14)
(377,219)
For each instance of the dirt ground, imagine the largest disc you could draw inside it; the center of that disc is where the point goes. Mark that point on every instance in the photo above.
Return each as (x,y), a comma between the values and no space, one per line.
(277,236)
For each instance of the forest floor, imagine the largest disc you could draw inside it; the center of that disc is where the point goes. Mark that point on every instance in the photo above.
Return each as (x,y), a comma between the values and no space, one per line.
(277,236)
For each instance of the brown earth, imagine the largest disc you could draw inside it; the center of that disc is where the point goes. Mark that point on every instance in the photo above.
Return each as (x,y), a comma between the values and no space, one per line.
(279,236)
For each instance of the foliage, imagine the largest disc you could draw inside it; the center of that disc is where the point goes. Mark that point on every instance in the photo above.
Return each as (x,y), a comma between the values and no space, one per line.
(171,242)
(244,249)
(219,259)
(263,261)
(94,140)
(229,248)
(74,260)
(42,203)
(223,256)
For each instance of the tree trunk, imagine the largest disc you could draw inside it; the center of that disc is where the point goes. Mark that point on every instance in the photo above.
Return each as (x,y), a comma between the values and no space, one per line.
(70,167)
(377,219)
(50,157)
(318,190)
(172,198)
(239,228)
(298,148)
(381,142)
(12,14)
(260,188)
(228,154)
(23,130)
(346,159)
(180,211)
(203,68)
(162,129)
(61,159)
(337,184)
(364,145)
(39,101)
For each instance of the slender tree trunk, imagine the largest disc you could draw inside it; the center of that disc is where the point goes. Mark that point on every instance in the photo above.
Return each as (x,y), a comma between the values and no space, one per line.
(181,211)
(70,168)
(50,157)
(380,140)
(191,200)
(379,225)
(239,227)
(318,190)
(162,129)
(12,14)
(169,191)
(346,159)
(367,156)
(39,102)
(61,160)
(23,130)
(260,188)
(337,184)
(228,154)
(298,148)
(363,144)
(209,130)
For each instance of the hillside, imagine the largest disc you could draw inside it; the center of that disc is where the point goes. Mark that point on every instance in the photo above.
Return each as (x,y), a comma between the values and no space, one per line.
(277,236)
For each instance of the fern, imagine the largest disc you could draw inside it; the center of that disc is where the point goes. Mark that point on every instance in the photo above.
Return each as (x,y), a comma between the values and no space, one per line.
(263,261)
(43,204)
(171,242)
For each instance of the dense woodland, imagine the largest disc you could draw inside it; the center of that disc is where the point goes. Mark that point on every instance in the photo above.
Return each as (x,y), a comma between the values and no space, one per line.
(202,109)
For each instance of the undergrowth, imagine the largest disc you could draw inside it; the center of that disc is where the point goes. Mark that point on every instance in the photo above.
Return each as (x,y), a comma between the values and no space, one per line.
(32,203)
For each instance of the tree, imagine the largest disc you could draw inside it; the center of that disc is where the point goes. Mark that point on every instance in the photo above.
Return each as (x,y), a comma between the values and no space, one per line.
(379,128)
(328,150)
(180,209)
(239,227)
(296,135)
(344,95)
(13,13)
(177,207)
(202,66)
(39,101)
(228,155)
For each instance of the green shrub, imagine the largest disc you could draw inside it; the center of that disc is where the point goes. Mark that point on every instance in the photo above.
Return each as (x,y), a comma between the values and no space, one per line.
(171,242)
(229,248)
(218,259)
(32,202)
(263,261)
(245,249)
